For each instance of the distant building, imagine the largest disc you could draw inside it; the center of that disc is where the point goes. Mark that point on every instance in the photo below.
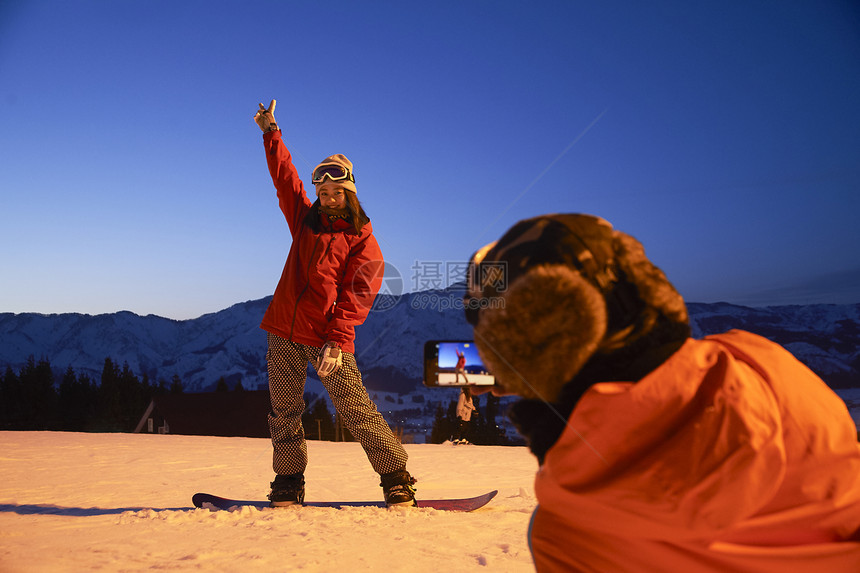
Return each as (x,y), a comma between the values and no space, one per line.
(240,414)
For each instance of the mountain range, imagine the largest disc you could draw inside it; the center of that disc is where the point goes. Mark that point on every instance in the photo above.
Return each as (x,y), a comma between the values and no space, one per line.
(389,345)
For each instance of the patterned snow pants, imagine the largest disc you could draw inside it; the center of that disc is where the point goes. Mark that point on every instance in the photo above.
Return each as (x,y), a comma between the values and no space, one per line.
(287,364)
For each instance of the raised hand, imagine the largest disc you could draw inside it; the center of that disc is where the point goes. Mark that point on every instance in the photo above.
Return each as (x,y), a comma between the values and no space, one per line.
(265,117)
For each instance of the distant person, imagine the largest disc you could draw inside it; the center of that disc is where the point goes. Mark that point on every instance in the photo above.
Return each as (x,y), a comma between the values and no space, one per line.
(460,368)
(332,275)
(465,407)
(657,451)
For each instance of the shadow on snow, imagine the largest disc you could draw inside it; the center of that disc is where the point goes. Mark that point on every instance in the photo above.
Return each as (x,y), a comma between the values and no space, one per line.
(46,509)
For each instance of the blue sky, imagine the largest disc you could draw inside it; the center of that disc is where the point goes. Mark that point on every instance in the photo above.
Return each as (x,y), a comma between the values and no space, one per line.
(724,135)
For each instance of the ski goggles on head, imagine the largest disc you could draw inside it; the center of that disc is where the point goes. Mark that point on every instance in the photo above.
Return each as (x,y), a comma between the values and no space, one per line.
(334,171)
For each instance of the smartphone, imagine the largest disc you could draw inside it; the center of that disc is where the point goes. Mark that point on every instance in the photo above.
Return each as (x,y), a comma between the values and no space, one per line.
(440,364)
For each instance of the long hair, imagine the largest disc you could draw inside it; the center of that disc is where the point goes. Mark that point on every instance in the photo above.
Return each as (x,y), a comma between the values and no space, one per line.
(357,216)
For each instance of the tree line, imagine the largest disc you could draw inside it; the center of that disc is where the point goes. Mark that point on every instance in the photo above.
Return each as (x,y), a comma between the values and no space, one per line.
(320,424)
(32,400)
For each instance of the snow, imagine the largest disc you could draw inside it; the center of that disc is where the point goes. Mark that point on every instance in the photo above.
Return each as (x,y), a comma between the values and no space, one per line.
(122,502)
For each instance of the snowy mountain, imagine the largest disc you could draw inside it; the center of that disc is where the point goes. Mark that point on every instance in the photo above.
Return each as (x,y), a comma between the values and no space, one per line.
(389,345)
(825,337)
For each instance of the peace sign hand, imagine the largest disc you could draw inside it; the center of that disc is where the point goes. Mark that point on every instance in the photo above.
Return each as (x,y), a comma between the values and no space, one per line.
(265,118)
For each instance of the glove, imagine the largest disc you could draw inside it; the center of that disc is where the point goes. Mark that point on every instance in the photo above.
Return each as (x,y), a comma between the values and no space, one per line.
(265,118)
(329,360)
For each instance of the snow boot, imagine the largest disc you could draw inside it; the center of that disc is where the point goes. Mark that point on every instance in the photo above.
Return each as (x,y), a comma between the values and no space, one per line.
(287,490)
(397,487)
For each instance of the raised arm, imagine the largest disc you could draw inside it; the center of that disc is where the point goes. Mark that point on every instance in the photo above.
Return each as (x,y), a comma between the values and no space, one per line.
(292,198)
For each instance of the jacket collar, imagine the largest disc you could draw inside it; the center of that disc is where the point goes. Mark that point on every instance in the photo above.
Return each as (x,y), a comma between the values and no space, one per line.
(335,225)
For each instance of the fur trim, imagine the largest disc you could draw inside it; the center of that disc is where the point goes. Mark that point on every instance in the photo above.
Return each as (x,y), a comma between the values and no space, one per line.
(551,323)
(659,298)
(654,288)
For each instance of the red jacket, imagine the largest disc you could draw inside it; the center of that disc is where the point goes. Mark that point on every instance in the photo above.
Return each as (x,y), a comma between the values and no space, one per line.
(330,278)
(731,456)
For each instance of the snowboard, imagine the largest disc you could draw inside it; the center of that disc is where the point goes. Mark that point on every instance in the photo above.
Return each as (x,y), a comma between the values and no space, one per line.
(209,501)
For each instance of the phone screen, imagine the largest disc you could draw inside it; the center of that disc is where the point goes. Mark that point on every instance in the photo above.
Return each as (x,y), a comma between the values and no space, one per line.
(454,363)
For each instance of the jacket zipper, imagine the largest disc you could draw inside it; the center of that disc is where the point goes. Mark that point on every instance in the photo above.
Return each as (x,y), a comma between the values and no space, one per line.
(304,288)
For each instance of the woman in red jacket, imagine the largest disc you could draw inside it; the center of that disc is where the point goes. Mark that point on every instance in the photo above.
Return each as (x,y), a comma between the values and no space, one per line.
(460,368)
(331,277)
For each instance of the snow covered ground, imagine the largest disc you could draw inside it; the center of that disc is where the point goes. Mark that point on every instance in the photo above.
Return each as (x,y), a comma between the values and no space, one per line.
(122,502)
(74,502)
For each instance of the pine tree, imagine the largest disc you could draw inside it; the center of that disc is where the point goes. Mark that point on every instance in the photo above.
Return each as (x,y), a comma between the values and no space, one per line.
(445,423)
(438,433)
(109,417)
(11,401)
(485,430)
(40,404)
(78,397)
(451,421)
(497,433)
(317,421)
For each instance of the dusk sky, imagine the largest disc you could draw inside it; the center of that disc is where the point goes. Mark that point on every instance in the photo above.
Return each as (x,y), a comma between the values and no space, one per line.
(725,135)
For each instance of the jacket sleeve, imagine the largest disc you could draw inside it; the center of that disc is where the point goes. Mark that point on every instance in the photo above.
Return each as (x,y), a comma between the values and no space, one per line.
(461,406)
(292,198)
(361,282)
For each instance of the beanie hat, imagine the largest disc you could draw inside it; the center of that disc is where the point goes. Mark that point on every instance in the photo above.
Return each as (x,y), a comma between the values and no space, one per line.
(582,243)
(338,159)
(555,290)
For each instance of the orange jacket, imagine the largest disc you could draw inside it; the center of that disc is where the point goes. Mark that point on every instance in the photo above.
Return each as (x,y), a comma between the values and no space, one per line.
(730,456)
(330,278)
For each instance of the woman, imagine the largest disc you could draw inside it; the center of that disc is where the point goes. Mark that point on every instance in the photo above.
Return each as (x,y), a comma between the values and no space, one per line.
(465,407)
(331,277)
(460,368)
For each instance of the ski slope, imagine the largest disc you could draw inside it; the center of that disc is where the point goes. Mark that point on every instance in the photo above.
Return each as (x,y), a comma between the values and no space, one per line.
(122,502)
